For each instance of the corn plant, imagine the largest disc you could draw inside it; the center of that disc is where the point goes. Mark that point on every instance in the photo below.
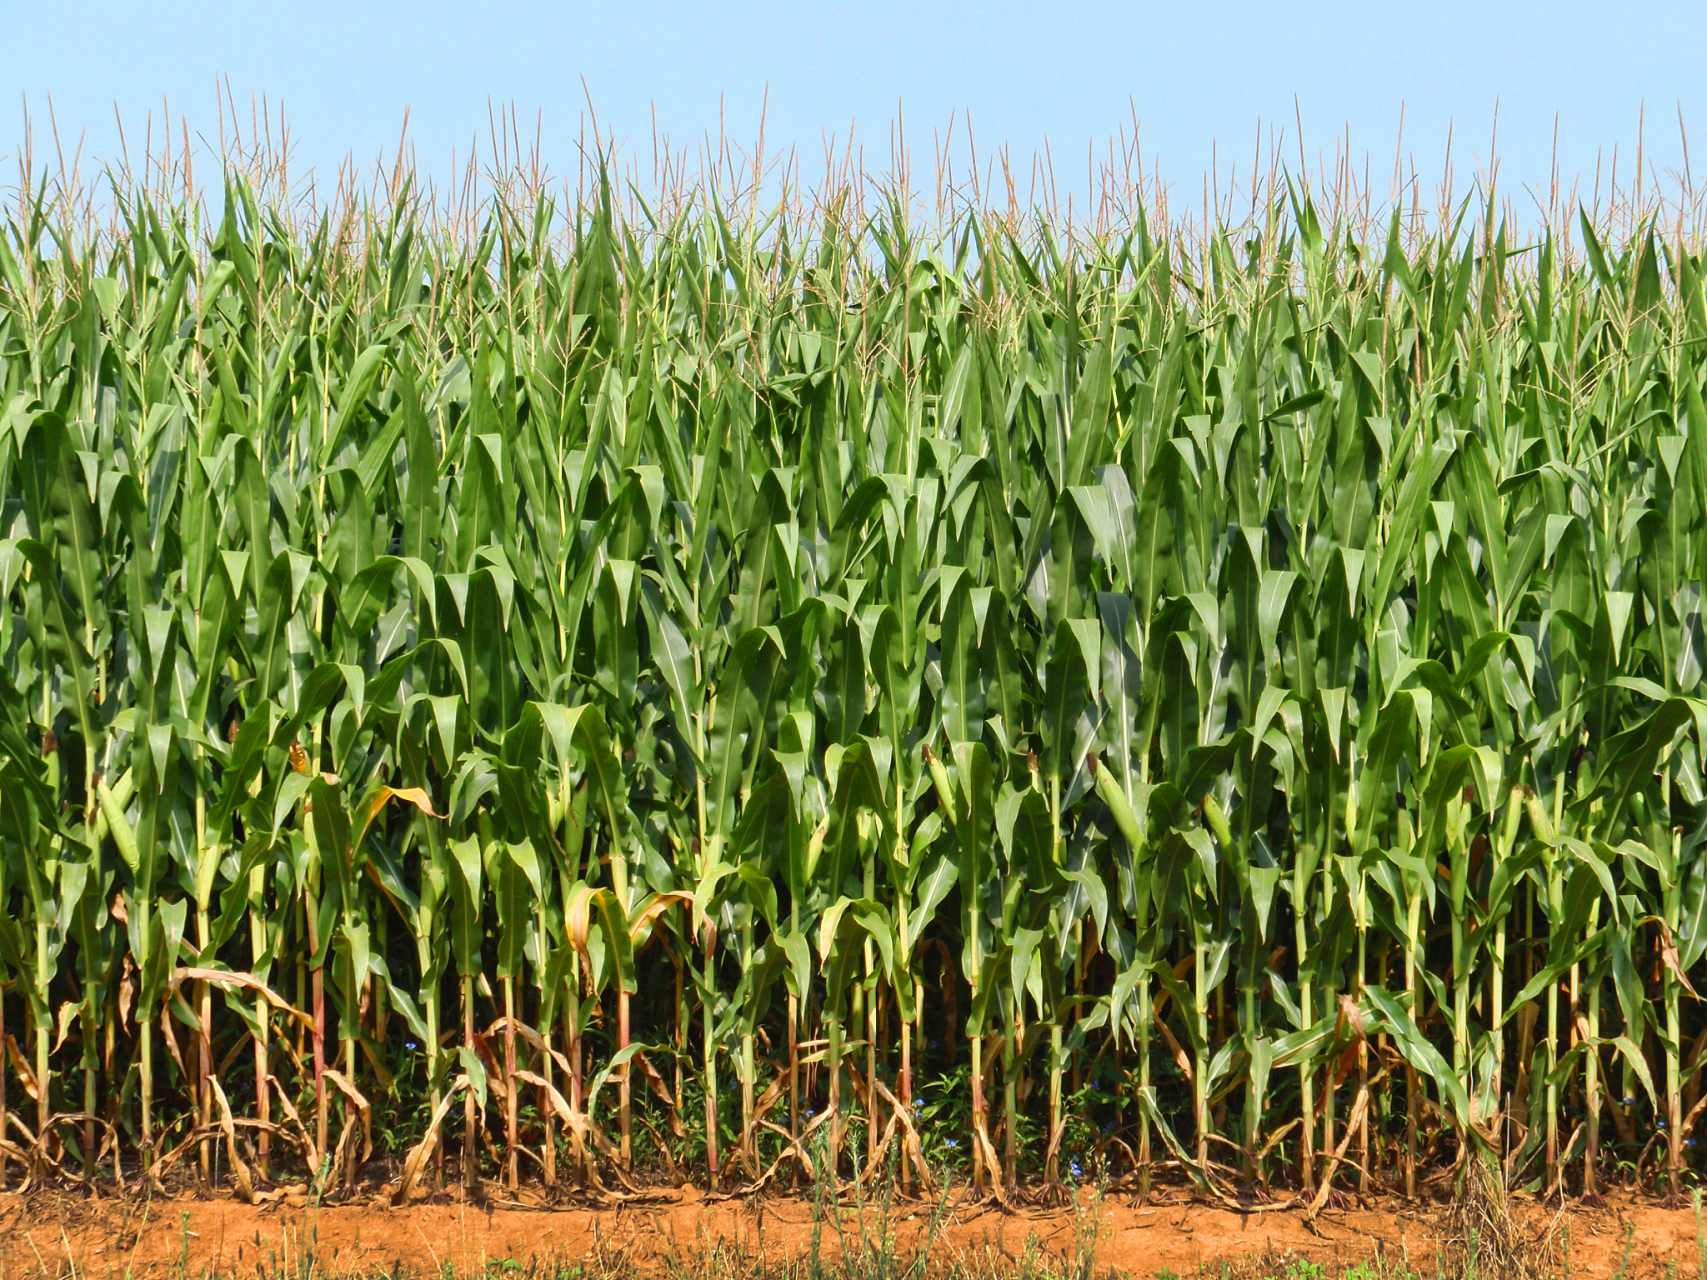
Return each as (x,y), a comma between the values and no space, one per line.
(1249,675)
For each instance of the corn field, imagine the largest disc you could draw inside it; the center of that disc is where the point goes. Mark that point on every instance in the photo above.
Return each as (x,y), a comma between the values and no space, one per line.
(613,697)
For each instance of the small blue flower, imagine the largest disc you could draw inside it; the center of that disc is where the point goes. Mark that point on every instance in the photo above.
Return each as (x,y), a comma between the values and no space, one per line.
(1629,1099)
(951,1142)
(1077,1172)
(411,1045)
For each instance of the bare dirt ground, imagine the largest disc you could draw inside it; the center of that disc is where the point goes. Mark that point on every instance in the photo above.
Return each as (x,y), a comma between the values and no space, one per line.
(682,1232)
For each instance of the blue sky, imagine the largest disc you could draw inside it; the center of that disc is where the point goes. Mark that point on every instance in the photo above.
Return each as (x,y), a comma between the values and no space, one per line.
(1197,78)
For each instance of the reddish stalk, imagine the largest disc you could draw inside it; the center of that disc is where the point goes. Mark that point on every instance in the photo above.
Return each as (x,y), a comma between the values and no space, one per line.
(317,982)
(469,1164)
(3,1097)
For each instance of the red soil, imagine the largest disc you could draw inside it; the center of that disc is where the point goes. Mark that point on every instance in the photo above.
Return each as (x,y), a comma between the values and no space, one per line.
(71,1235)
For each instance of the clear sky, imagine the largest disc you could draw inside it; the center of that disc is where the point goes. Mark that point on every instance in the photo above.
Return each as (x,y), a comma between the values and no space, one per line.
(1196,78)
